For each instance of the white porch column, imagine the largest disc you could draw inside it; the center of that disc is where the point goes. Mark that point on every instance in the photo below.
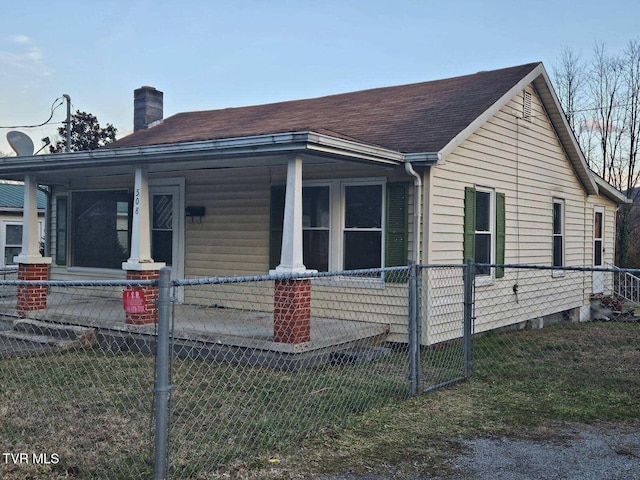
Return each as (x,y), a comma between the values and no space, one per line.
(140,258)
(140,265)
(30,237)
(291,254)
(292,297)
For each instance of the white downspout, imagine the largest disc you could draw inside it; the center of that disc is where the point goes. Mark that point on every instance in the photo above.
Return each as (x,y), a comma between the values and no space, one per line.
(417,209)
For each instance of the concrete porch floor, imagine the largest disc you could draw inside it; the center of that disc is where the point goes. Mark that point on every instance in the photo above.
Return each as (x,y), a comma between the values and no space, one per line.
(202,325)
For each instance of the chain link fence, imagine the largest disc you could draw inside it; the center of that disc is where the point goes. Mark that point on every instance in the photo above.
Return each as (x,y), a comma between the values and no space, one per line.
(77,386)
(552,333)
(237,370)
(244,392)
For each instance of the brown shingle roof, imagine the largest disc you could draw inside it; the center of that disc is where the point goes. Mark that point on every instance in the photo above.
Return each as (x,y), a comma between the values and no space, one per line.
(421,117)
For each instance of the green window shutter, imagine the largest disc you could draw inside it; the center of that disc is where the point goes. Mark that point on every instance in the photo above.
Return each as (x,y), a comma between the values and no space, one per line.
(397,225)
(61,230)
(469,243)
(276,219)
(500,233)
(396,229)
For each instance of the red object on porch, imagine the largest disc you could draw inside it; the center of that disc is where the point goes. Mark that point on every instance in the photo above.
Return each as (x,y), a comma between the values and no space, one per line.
(134,300)
(149,313)
(32,298)
(292,311)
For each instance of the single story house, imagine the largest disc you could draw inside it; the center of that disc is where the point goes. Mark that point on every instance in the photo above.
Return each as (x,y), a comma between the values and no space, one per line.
(482,166)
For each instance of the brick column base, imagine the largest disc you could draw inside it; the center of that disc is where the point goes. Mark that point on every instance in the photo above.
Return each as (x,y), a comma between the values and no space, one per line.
(292,311)
(32,298)
(150,314)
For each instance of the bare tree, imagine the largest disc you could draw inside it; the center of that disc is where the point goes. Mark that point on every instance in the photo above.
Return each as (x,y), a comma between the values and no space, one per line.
(602,103)
(569,77)
(605,86)
(628,226)
(632,84)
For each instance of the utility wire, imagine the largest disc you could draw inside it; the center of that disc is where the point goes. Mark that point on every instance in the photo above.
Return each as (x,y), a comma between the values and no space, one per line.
(54,107)
(591,109)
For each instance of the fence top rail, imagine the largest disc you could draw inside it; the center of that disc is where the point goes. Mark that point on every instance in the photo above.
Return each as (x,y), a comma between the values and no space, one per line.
(546,267)
(290,276)
(81,283)
(444,265)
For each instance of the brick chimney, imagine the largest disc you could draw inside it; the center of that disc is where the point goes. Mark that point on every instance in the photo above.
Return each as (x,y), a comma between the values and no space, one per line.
(147,107)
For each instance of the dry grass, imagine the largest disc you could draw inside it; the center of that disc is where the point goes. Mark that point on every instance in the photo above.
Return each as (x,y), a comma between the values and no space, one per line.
(93,409)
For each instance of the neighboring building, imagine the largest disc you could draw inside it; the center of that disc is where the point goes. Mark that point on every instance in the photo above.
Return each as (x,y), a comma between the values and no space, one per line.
(11,207)
(482,166)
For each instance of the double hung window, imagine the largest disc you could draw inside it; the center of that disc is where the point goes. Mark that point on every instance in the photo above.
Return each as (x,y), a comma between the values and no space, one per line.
(558,233)
(12,242)
(347,224)
(484,230)
(362,228)
(315,227)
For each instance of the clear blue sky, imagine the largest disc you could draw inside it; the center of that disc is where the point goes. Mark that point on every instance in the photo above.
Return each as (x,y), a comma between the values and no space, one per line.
(208,54)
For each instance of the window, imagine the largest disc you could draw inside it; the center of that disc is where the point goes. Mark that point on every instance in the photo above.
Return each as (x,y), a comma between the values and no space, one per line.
(161,227)
(484,229)
(100,229)
(347,224)
(558,233)
(598,237)
(362,227)
(12,242)
(315,227)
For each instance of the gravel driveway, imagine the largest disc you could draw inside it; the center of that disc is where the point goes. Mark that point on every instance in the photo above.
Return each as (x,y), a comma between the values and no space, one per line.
(578,452)
(585,453)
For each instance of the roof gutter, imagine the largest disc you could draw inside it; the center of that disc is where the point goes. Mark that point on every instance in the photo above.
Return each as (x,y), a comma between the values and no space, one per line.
(426,159)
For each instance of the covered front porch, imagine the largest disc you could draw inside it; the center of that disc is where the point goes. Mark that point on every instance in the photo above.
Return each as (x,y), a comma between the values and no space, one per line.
(74,179)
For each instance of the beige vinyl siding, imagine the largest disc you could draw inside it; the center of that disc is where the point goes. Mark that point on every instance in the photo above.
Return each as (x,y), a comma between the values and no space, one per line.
(233,236)
(525,161)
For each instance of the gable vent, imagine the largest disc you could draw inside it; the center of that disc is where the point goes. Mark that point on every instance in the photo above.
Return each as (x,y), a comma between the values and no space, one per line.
(526,106)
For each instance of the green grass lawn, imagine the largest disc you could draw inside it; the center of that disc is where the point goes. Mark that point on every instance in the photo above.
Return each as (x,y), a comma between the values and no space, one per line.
(93,409)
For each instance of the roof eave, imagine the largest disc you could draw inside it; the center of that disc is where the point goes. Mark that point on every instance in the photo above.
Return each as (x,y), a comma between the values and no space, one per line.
(272,144)
(538,76)
(610,191)
(569,142)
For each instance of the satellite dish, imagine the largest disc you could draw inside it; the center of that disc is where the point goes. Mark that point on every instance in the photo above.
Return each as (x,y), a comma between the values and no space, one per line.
(21,143)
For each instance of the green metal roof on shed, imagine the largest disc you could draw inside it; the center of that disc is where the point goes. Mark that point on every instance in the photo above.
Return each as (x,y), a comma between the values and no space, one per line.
(12,196)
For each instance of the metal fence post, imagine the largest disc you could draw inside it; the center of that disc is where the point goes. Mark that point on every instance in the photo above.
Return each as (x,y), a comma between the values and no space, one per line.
(162,387)
(414,329)
(469,279)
